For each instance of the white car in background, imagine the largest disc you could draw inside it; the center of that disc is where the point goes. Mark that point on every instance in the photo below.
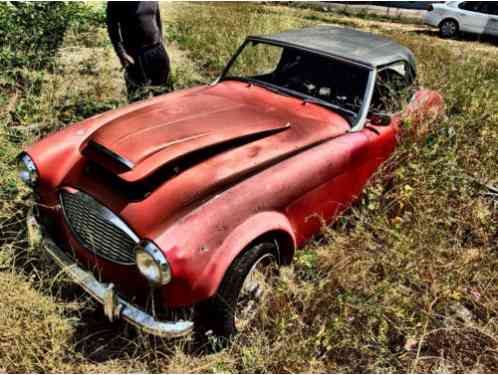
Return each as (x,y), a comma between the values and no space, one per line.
(451,17)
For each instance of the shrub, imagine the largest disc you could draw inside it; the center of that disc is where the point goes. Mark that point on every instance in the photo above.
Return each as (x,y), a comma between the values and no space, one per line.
(32,32)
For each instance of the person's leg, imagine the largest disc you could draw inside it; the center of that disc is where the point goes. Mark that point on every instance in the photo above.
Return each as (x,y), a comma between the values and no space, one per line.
(157,67)
(132,82)
(136,85)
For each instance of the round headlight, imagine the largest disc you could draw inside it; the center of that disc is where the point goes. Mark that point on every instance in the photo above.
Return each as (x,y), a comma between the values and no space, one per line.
(27,170)
(152,263)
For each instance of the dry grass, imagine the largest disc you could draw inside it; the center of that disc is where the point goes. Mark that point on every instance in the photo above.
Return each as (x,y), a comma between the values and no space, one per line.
(405,281)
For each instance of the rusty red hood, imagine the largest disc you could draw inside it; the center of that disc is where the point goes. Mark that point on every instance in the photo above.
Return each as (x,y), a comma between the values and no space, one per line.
(214,120)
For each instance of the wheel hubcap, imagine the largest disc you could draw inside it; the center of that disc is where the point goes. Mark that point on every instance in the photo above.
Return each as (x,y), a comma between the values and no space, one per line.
(256,286)
(449,28)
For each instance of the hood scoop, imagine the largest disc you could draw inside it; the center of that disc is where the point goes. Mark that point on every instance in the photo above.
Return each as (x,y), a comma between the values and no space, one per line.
(97,152)
(179,154)
(137,190)
(104,156)
(140,142)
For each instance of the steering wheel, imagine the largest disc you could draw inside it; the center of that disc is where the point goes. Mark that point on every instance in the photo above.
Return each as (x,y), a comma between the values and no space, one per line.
(302,85)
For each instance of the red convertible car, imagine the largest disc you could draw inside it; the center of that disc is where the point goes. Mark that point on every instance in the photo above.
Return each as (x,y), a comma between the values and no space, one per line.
(173,212)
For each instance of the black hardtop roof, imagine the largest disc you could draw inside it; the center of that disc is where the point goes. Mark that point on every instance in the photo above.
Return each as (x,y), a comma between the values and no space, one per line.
(341,42)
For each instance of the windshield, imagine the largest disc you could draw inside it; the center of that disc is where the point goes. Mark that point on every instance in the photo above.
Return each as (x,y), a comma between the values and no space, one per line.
(322,80)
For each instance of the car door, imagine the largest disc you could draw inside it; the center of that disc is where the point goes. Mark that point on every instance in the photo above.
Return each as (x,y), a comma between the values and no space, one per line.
(472,18)
(491,9)
(361,152)
(347,175)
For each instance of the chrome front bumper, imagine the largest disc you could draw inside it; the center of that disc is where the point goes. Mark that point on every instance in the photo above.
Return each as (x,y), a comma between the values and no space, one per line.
(114,306)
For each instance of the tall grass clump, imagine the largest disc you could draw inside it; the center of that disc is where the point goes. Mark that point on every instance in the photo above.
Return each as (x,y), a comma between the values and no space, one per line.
(212,41)
(405,281)
(35,335)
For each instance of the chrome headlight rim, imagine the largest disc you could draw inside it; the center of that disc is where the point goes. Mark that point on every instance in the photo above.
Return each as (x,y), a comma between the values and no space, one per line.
(149,249)
(28,172)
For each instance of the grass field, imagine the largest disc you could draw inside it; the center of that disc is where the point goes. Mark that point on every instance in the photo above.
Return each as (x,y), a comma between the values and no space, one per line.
(405,281)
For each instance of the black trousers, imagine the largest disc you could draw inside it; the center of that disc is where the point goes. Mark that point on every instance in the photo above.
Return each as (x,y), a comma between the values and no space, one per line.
(151,68)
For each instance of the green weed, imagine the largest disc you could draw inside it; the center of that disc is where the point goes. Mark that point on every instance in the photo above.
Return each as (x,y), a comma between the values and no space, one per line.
(405,281)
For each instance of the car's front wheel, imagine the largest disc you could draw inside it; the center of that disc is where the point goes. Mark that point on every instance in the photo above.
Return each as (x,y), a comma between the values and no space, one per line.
(245,285)
(448,28)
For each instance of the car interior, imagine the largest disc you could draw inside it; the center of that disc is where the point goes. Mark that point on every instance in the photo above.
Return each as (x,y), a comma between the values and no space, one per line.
(338,83)
(320,77)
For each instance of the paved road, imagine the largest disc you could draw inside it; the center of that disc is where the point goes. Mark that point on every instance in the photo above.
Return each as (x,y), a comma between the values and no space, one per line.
(420,5)
(362,8)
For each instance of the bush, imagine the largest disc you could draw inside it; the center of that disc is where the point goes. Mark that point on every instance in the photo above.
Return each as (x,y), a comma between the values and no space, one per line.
(405,281)
(31,33)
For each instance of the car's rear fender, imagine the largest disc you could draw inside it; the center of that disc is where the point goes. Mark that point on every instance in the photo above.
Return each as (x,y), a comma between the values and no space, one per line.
(425,108)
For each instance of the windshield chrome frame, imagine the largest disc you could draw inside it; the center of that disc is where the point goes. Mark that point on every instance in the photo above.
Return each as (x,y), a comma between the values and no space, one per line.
(360,119)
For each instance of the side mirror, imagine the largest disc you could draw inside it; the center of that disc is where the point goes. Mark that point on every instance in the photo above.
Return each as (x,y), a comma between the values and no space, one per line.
(380,119)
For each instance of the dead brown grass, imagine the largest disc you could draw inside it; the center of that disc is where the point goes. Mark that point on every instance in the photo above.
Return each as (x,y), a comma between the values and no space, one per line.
(406,281)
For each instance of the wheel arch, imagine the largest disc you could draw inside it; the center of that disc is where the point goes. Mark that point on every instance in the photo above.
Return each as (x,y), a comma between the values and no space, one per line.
(264,226)
(449,19)
(284,242)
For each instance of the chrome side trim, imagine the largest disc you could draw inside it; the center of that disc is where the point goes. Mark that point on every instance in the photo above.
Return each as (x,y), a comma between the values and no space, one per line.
(115,306)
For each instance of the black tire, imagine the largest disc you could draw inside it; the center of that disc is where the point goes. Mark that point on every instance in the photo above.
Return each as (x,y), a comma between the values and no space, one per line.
(214,319)
(448,28)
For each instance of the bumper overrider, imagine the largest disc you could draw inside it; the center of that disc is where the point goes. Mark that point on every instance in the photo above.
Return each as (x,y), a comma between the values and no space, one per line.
(115,307)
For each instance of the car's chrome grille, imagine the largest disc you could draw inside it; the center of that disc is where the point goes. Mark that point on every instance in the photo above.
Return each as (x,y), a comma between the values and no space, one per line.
(98,228)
